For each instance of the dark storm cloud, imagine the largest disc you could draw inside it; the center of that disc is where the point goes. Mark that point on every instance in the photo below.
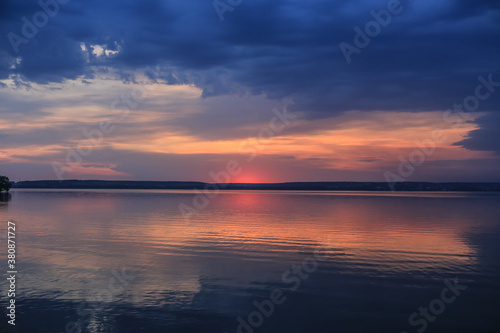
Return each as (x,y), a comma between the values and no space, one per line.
(487,137)
(427,58)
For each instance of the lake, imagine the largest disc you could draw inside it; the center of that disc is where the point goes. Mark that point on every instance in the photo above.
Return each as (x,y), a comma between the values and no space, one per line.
(128,261)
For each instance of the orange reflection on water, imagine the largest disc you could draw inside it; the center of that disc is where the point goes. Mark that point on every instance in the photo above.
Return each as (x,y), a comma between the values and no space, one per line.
(85,233)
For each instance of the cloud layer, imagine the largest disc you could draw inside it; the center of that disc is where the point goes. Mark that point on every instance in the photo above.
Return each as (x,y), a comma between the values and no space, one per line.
(426,59)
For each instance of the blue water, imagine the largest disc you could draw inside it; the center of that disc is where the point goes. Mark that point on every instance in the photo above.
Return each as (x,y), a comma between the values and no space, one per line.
(128,261)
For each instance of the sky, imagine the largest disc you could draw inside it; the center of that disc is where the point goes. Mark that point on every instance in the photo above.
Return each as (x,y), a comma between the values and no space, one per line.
(250,91)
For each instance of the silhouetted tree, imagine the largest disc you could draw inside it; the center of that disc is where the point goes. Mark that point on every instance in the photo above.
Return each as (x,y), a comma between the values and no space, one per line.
(5,184)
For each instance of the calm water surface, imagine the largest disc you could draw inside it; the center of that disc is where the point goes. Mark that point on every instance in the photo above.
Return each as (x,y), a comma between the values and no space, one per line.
(127,261)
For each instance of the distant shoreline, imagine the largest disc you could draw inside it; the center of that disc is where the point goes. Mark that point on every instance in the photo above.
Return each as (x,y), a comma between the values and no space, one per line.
(289,186)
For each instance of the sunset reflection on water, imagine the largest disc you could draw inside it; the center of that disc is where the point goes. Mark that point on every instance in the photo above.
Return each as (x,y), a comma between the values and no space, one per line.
(211,268)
